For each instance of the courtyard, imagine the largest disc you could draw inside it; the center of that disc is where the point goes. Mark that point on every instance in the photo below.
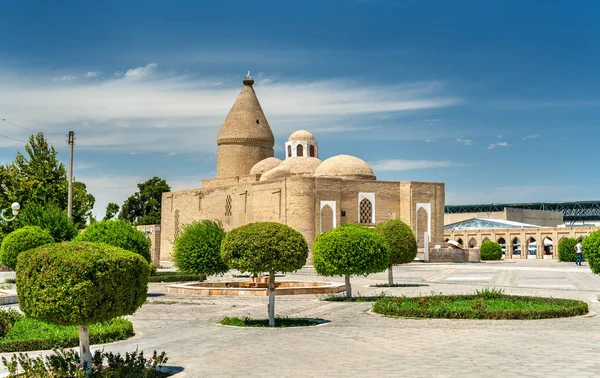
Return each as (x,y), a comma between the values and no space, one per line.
(358,343)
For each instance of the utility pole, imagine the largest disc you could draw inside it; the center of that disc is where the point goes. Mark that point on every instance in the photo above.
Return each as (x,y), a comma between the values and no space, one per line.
(71,142)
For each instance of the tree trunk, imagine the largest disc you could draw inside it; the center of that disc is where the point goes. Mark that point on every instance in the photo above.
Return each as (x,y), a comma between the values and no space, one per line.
(390,275)
(271,299)
(85,356)
(348,287)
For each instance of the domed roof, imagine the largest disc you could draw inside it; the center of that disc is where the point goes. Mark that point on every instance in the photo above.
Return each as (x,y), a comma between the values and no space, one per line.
(265,165)
(346,167)
(246,123)
(294,166)
(301,136)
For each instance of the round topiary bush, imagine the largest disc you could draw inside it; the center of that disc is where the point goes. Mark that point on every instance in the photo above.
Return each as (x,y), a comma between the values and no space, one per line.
(591,250)
(490,251)
(401,242)
(350,249)
(80,283)
(49,217)
(566,250)
(22,240)
(197,249)
(117,233)
(265,247)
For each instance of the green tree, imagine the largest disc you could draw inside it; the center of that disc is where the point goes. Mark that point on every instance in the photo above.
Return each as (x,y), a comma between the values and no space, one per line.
(49,217)
(490,250)
(37,176)
(401,241)
(111,210)
(79,284)
(265,247)
(591,250)
(117,233)
(197,249)
(20,240)
(350,249)
(143,207)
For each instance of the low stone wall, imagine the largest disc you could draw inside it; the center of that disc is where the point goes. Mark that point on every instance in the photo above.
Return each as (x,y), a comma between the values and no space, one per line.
(444,255)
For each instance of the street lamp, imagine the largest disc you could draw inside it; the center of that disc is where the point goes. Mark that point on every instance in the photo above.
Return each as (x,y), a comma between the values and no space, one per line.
(15,210)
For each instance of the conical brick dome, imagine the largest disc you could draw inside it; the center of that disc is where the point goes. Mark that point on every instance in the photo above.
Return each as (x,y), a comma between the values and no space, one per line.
(245,137)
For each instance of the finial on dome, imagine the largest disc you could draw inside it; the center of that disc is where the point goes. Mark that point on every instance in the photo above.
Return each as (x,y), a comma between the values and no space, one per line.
(248,80)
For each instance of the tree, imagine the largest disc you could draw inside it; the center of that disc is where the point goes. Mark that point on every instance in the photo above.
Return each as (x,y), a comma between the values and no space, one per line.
(143,207)
(490,250)
(111,210)
(350,249)
(79,284)
(197,249)
(117,233)
(591,250)
(39,177)
(49,217)
(401,242)
(265,247)
(21,240)
(566,249)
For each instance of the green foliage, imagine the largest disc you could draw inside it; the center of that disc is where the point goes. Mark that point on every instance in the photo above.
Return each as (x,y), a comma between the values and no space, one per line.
(65,363)
(400,239)
(31,334)
(143,207)
(80,283)
(22,240)
(117,233)
(111,210)
(566,250)
(279,322)
(7,321)
(49,217)
(350,249)
(478,306)
(591,250)
(197,249)
(490,251)
(38,177)
(177,277)
(264,247)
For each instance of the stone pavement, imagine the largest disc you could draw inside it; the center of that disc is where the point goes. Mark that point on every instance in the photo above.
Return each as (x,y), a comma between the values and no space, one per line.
(357,343)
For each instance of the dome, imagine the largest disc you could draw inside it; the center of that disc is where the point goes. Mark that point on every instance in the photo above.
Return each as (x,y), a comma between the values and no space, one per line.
(264,166)
(295,166)
(301,136)
(346,167)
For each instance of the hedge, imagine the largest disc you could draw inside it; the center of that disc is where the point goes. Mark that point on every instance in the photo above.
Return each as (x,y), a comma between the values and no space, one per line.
(591,250)
(197,249)
(566,249)
(117,233)
(22,240)
(490,251)
(80,283)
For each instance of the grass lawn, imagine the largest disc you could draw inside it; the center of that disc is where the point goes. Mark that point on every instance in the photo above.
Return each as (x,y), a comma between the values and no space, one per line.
(279,322)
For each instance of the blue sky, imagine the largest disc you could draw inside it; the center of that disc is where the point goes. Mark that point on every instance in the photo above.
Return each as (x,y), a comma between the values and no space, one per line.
(498,99)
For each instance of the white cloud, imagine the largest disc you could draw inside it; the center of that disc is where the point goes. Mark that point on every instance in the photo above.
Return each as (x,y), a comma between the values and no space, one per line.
(499,144)
(432,120)
(499,136)
(172,154)
(405,165)
(146,110)
(64,78)
(140,72)
(533,136)
(91,74)
(466,142)
(429,140)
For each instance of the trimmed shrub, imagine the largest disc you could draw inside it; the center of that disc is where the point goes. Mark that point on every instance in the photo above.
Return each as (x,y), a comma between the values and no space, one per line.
(117,233)
(265,247)
(401,242)
(591,250)
(197,249)
(350,249)
(490,251)
(7,320)
(177,277)
(49,217)
(21,240)
(566,250)
(80,283)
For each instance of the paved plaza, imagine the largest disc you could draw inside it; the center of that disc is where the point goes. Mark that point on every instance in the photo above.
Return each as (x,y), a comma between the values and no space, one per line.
(359,344)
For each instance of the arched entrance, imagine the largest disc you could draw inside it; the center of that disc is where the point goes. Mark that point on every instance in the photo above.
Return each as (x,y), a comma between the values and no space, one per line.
(422,227)
(531,248)
(460,243)
(548,246)
(502,243)
(516,247)
(472,243)
(326,218)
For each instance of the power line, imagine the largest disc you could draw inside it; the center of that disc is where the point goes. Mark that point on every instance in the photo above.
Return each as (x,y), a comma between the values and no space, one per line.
(7,137)
(24,128)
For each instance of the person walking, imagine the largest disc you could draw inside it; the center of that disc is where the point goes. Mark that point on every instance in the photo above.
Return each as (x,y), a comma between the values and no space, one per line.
(579,250)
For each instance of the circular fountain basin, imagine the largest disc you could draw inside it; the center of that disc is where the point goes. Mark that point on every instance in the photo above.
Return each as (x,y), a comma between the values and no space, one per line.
(234,288)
